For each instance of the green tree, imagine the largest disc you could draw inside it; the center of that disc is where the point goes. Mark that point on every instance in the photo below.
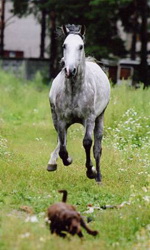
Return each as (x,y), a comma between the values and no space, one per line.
(129,15)
(134,16)
(103,34)
(144,39)
(100,41)
(100,17)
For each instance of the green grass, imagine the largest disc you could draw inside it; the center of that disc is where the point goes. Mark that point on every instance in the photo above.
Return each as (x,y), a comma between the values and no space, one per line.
(27,137)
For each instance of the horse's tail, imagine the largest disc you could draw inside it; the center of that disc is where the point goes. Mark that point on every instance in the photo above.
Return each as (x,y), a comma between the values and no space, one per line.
(65,193)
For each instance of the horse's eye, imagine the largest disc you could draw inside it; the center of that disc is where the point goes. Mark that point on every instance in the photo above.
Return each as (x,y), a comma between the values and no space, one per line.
(64,46)
(81,47)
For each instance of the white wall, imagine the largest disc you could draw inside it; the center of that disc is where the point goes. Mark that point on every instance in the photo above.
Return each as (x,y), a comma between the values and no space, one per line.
(22,33)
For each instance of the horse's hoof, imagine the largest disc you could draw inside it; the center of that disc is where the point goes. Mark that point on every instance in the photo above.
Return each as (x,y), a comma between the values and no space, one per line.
(67,162)
(99,183)
(51,167)
(91,174)
(98,180)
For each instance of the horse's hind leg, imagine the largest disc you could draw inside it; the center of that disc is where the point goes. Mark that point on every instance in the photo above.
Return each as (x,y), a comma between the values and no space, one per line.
(97,149)
(52,165)
(87,143)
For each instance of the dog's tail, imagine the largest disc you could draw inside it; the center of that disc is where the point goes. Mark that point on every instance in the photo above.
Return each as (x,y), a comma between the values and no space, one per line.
(65,193)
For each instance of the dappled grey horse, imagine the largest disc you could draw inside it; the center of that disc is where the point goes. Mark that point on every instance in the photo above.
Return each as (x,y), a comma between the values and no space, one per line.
(79,94)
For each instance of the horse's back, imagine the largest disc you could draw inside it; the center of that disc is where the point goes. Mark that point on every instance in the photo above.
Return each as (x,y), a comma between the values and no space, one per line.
(95,73)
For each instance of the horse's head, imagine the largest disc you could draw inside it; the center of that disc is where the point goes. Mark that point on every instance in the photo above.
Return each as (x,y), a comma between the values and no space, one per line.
(73,49)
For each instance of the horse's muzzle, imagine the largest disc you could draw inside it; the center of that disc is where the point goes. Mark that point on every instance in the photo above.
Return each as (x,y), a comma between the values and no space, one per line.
(70,72)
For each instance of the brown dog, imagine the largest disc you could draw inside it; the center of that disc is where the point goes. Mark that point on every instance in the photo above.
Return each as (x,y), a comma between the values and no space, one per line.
(64,218)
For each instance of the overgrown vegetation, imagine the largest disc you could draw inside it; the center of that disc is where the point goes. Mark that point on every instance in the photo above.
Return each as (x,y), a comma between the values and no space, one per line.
(27,137)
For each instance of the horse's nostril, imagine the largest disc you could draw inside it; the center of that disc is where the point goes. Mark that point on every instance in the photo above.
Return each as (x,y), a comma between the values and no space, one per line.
(67,72)
(74,71)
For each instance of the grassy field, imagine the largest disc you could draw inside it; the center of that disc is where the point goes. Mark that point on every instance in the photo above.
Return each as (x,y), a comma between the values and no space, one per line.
(27,137)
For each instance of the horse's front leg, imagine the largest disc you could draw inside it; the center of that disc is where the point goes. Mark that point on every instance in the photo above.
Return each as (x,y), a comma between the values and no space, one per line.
(87,143)
(52,164)
(62,134)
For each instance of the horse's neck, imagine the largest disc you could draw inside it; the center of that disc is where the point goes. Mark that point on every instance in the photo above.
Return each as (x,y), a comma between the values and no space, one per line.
(75,84)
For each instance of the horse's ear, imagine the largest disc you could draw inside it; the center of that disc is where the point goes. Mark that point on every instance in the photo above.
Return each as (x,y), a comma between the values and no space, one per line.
(82,31)
(65,30)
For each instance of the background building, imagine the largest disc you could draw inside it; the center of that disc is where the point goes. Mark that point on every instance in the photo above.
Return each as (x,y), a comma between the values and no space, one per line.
(21,34)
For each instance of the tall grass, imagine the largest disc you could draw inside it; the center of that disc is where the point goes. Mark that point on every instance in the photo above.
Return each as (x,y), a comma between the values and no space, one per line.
(27,137)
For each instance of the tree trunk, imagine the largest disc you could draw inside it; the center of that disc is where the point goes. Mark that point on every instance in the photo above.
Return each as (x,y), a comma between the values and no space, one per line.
(43,33)
(134,36)
(2,27)
(133,46)
(144,64)
(53,45)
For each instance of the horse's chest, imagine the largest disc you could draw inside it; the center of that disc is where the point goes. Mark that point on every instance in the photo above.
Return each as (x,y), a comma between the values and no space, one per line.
(72,108)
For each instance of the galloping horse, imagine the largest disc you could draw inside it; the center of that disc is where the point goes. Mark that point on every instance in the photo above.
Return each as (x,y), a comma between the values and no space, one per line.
(79,94)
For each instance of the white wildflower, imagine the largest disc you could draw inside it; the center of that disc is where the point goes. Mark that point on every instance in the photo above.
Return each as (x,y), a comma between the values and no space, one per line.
(32,219)
(25,235)
(146,198)
(144,189)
